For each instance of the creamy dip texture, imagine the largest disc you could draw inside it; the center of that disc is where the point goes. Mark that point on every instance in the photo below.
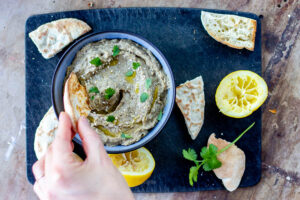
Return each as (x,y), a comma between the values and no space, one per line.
(127,89)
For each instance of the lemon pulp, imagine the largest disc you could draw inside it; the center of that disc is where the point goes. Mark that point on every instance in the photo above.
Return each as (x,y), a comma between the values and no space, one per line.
(240,93)
(136,166)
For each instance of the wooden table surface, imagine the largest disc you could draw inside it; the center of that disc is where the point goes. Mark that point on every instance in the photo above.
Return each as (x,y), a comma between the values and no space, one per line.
(281,69)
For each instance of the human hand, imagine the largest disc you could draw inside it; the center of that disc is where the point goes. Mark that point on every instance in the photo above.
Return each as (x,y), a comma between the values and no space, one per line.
(61,176)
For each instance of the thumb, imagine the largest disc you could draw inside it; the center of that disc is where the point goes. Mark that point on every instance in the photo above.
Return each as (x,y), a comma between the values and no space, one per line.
(91,142)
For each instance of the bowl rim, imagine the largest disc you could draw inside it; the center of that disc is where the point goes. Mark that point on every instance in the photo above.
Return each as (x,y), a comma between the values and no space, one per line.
(148,137)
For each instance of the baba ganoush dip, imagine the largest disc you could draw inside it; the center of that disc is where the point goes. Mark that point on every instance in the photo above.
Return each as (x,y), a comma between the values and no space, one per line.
(127,89)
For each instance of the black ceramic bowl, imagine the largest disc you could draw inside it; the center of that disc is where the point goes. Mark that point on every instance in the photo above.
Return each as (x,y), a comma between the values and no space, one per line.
(66,60)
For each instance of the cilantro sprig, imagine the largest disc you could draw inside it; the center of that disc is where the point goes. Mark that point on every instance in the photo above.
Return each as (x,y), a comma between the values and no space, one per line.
(109,92)
(160,115)
(93,90)
(144,96)
(125,136)
(209,157)
(135,65)
(96,61)
(148,83)
(116,51)
(110,118)
(129,73)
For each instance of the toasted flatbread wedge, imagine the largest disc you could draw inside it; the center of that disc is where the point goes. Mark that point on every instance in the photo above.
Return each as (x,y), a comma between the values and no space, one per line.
(52,37)
(231,30)
(233,163)
(76,100)
(45,133)
(191,102)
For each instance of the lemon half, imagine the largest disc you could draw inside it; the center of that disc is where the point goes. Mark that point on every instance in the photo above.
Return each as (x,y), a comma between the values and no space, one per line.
(240,93)
(136,166)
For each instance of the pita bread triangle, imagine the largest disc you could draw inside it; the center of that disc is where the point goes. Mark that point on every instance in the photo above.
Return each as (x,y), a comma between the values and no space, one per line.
(190,100)
(233,163)
(76,100)
(52,37)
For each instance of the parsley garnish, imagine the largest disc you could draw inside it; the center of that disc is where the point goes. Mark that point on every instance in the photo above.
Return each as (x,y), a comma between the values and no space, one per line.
(126,136)
(144,96)
(148,83)
(110,118)
(116,51)
(96,61)
(92,97)
(93,90)
(209,157)
(135,65)
(160,115)
(129,73)
(109,92)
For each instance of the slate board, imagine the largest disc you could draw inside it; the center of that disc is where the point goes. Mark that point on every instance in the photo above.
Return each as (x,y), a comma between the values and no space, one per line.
(191,52)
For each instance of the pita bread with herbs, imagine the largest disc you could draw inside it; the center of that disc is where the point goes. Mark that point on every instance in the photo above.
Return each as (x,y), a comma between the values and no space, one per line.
(52,37)
(76,100)
(191,102)
(233,163)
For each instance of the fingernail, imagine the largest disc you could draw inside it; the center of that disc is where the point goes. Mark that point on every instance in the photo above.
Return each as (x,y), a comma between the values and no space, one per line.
(61,114)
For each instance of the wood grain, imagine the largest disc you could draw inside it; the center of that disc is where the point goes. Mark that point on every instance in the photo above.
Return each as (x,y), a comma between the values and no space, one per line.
(281,59)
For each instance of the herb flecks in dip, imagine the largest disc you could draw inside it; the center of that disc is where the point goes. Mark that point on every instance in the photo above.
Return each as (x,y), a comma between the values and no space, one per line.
(127,89)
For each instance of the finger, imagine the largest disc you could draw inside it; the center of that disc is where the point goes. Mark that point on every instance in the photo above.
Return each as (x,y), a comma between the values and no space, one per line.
(38,191)
(63,139)
(49,160)
(72,144)
(38,168)
(91,142)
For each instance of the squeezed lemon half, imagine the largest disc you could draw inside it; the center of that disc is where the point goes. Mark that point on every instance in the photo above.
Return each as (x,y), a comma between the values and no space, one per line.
(136,166)
(240,93)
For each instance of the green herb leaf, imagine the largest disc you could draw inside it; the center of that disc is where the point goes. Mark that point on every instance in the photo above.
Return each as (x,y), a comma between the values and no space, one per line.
(144,96)
(210,157)
(160,115)
(110,118)
(92,97)
(93,90)
(206,167)
(109,92)
(96,61)
(213,149)
(116,51)
(148,83)
(135,65)
(213,163)
(126,136)
(204,152)
(193,175)
(210,160)
(129,73)
(207,153)
(189,154)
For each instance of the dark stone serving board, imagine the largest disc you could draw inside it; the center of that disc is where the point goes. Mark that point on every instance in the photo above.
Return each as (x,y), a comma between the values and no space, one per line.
(191,52)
